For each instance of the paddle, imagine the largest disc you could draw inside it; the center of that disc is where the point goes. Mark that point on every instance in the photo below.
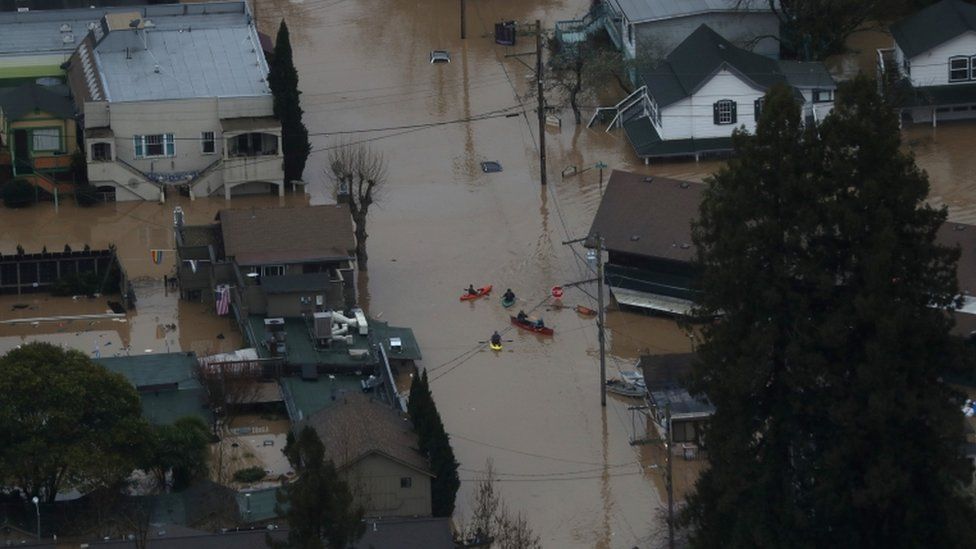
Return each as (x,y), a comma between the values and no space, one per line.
(503,341)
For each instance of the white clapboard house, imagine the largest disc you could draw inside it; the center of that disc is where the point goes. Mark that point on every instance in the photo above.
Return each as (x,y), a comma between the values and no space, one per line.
(931,70)
(689,104)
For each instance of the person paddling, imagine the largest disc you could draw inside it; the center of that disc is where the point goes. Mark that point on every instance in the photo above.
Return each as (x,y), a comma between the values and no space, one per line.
(509,295)
(471,290)
(496,339)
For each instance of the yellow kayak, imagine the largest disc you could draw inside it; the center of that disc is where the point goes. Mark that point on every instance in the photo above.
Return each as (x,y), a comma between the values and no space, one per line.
(495,347)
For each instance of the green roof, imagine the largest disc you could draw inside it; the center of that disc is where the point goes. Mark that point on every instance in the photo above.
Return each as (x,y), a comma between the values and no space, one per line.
(150,370)
(262,505)
(306,398)
(311,282)
(934,25)
(300,349)
(165,407)
(409,348)
(647,143)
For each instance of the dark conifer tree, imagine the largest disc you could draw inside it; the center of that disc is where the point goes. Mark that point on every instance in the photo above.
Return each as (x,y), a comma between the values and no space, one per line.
(435,443)
(832,426)
(283,81)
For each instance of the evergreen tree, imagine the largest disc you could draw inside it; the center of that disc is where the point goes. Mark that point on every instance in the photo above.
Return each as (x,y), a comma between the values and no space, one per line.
(318,505)
(283,81)
(832,424)
(435,444)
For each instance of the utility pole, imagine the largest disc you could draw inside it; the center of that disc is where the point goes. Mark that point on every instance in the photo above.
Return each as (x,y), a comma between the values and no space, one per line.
(601,165)
(464,26)
(667,473)
(600,319)
(541,102)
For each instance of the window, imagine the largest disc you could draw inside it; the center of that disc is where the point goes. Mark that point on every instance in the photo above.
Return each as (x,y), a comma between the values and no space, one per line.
(46,139)
(723,112)
(272,270)
(630,34)
(972,67)
(406,482)
(152,146)
(959,69)
(101,152)
(253,144)
(823,96)
(207,143)
(906,65)
(757,107)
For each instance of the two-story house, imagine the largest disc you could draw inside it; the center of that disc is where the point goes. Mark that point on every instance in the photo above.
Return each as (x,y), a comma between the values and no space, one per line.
(281,262)
(175,97)
(38,134)
(656,27)
(377,453)
(932,66)
(690,103)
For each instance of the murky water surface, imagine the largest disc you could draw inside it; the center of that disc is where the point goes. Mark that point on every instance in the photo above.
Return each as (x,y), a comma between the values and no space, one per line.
(442,224)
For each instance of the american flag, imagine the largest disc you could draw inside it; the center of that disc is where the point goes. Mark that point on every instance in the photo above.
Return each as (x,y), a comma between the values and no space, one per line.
(223,300)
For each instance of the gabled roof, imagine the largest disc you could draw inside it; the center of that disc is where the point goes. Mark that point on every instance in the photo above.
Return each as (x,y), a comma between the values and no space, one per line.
(357,426)
(701,56)
(649,216)
(934,25)
(266,236)
(155,370)
(28,98)
(638,11)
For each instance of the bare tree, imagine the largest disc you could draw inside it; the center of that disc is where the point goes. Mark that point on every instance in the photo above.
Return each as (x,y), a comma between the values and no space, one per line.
(514,531)
(358,174)
(492,524)
(229,386)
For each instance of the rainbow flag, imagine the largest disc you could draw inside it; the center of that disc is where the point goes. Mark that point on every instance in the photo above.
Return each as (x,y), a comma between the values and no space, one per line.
(157,256)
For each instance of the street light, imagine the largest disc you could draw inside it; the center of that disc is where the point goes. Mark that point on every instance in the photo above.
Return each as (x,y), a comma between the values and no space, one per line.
(37,507)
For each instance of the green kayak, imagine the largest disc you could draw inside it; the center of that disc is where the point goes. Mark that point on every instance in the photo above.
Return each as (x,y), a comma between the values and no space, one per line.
(507,303)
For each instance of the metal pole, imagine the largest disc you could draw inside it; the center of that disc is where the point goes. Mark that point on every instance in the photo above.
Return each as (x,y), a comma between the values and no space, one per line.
(541,101)
(600,320)
(667,472)
(37,507)
(464,30)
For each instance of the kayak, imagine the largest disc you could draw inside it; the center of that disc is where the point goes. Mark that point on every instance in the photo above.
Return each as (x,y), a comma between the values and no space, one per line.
(495,347)
(482,292)
(507,303)
(531,327)
(585,311)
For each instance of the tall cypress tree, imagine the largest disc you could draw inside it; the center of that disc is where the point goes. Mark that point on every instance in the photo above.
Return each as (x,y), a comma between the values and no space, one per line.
(435,444)
(832,424)
(283,81)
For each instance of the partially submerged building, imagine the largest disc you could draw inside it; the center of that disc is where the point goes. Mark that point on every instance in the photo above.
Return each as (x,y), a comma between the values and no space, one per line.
(175,97)
(931,70)
(167,385)
(689,104)
(38,134)
(674,410)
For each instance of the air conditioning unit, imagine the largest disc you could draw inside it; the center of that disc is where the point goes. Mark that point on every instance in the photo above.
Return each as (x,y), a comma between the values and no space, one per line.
(322,324)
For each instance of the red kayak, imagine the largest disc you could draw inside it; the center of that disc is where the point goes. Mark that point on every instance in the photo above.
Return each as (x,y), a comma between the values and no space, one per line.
(530,326)
(482,292)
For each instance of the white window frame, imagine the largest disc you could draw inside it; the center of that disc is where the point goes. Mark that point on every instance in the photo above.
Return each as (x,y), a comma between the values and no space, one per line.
(972,67)
(208,138)
(165,139)
(46,133)
(965,69)
(724,109)
(272,270)
(819,94)
(108,158)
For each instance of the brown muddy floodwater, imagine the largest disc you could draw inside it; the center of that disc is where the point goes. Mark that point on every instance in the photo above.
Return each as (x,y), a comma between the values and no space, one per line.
(534,408)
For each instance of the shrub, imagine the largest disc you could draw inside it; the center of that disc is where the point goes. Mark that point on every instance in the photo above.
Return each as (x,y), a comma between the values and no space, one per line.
(251,474)
(17,194)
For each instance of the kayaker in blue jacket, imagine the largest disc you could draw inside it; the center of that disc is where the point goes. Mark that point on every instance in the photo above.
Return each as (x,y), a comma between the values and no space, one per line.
(509,295)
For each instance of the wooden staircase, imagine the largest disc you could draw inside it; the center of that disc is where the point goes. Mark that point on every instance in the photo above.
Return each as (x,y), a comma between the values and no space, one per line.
(47,184)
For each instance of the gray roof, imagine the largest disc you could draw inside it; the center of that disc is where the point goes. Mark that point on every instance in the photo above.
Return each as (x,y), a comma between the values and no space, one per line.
(225,61)
(303,234)
(153,370)
(652,10)
(698,58)
(806,74)
(934,25)
(39,31)
(27,98)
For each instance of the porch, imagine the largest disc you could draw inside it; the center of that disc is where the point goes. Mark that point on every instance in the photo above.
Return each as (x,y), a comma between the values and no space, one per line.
(252,153)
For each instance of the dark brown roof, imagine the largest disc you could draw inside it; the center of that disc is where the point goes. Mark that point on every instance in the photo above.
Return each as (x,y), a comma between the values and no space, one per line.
(357,426)
(261,236)
(964,236)
(648,216)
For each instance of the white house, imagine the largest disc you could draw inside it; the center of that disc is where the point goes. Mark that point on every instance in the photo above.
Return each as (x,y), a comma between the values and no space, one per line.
(175,98)
(656,27)
(933,62)
(690,103)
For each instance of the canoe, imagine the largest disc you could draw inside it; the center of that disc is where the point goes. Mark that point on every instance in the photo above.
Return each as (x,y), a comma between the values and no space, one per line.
(531,327)
(506,303)
(585,311)
(495,347)
(482,292)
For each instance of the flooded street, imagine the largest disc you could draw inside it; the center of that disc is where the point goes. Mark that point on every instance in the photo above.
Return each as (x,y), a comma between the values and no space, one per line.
(533,408)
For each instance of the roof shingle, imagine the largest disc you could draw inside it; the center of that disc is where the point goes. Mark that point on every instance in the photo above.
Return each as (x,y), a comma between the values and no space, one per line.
(262,236)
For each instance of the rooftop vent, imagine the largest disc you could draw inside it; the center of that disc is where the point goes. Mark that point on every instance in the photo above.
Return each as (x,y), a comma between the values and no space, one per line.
(148,24)
(634,237)
(134,24)
(156,68)
(68,38)
(92,25)
(65,27)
